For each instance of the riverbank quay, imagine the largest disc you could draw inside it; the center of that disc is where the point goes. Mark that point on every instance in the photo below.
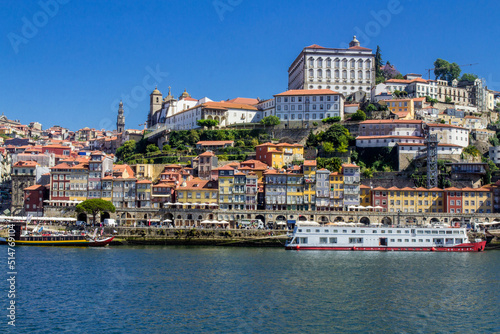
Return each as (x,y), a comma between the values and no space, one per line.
(197,237)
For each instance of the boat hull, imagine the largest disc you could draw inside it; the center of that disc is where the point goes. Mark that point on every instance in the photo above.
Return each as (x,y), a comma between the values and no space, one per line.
(467,247)
(61,243)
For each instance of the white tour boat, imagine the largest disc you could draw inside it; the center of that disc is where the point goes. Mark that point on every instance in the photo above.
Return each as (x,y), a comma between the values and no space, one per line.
(350,236)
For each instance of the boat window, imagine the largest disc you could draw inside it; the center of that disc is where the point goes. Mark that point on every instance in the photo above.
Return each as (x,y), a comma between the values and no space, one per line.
(438,240)
(458,240)
(400,240)
(420,232)
(362,231)
(300,230)
(323,240)
(456,232)
(389,231)
(382,231)
(392,240)
(407,240)
(303,240)
(427,232)
(420,240)
(335,231)
(317,231)
(449,241)
(407,231)
(434,232)
(333,240)
(355,240)
(449,232)
(308,230)
(374,231)
(326,231)
(441,232)
(353,231)
(413,240)
(398,231)
(344,231)
(427,240)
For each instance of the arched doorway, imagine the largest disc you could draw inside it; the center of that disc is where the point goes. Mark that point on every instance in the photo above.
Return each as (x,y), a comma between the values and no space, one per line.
(82,217)
(338,219)
(435,221)
(302,218)
(365,221)
(105,215)
(261,218)
(323,219)
(386,221)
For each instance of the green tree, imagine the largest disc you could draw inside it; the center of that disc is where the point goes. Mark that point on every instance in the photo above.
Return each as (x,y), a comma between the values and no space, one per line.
(447,99)
(193,137)
(166,148)
(371,108)
(343,147)
(379,77)
(312,140)
(336,134)
(358,116)
(367,173)
(332,164)
(208,123)
(328,147)
(126,150)
(468,77)
(446,71)
(399,76)
(270,121)
(95,206)
(152,148)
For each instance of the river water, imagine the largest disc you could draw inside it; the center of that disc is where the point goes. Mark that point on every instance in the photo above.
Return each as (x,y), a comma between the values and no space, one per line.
(250,290)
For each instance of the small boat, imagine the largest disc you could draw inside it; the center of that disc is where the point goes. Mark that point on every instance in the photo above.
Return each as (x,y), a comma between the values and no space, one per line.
(38,237)
(313,236)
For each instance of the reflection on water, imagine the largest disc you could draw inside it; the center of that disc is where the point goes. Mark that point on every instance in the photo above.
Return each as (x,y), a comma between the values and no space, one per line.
(252,290)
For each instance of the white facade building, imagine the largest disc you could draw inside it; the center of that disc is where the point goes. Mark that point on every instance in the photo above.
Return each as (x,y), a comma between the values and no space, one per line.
(495,154)
(302,106)
(450,134)
(343,70)
(268,107)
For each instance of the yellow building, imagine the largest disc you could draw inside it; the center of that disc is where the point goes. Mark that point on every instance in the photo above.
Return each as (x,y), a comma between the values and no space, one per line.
(295,189)
(403,108)
(143,193)
(365,198)
(336,191)
(144,171)
(78,180)
(477,200)
(198,191)
(226,187)
(309,170)
(279,155)
(413,199)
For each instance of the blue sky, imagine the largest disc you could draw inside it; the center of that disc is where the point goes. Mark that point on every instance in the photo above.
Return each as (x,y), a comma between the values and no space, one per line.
(81,57)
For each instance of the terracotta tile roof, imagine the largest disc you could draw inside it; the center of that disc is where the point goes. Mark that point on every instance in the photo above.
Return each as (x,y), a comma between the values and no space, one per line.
(388,137)
(308,92)
(397,81)
(144,182)
(214,142)
(200,184)
(34,187)
(349,165)
(431,125)
(391,121)
(25,164)
(228,105)
(244,100)
(314,46)
(310,163)
(359,48)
